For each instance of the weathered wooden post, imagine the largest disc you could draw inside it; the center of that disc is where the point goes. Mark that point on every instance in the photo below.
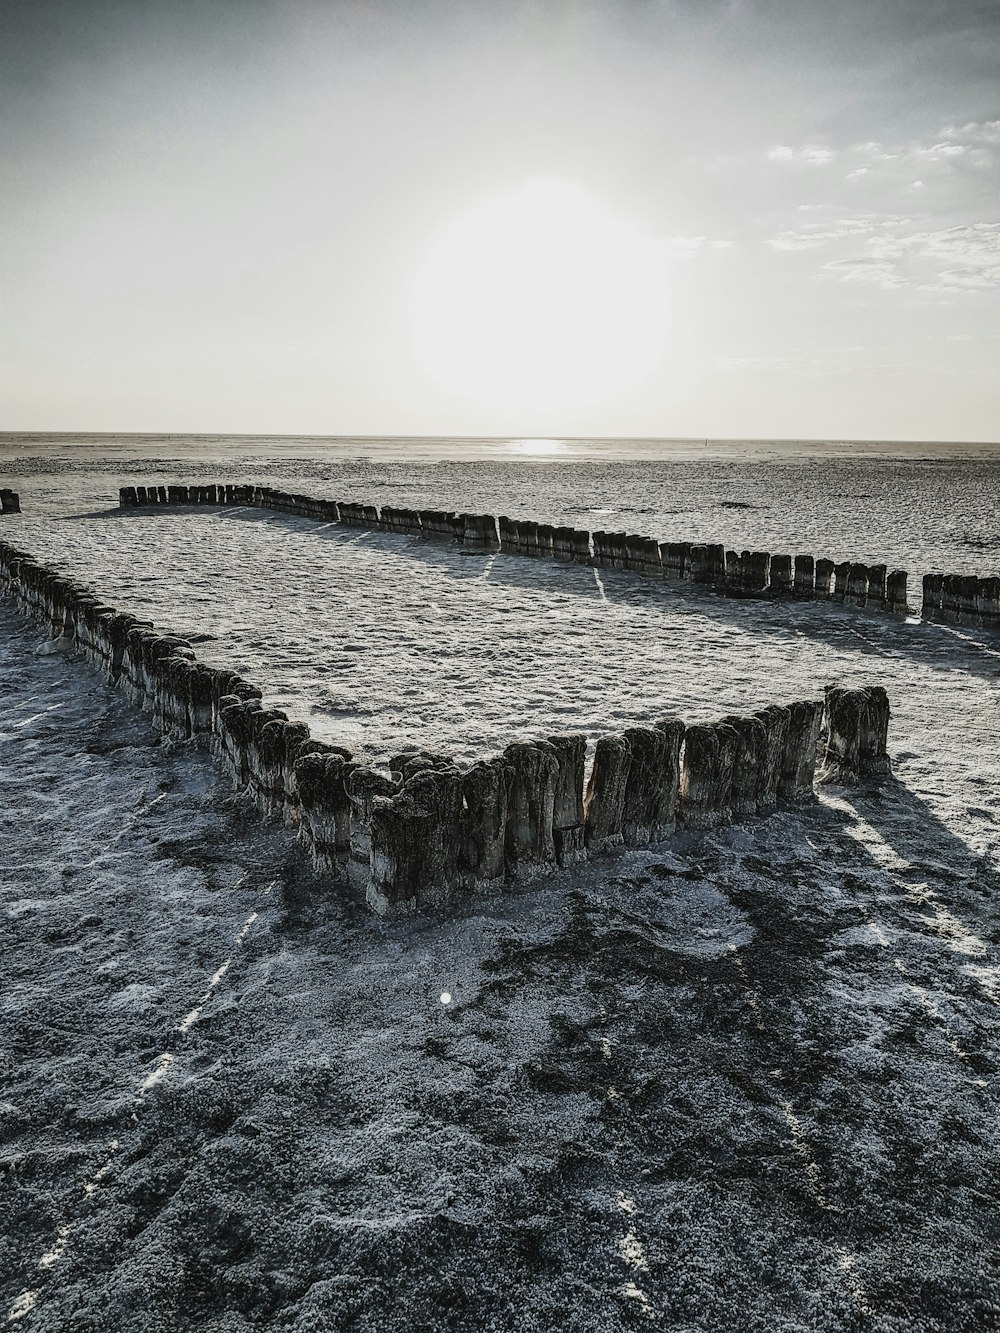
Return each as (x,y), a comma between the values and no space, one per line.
(873,752)
(603,543)
(527,536)
(438,791)
(399,828)
(604,803)
(954,598)
(756,566)
(481,530)
(798,770)
(748,764)
(320,779)
(805,576)
(825,570)
(543,541)
(675,559)
(562,543)
(841,578)
(932,590)
(989,603)
(856,592)
(895,592)
(856,724)
(643,555)
(534,770)
(567,810)
(781,576)
(877,586)
(776,722)
(734,573)
(649,804)
(707,563)
(707,775)
(486,788)
(966,592)
(508,534)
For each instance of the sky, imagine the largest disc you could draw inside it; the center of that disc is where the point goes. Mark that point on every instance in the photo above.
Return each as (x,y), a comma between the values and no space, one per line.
(655,218)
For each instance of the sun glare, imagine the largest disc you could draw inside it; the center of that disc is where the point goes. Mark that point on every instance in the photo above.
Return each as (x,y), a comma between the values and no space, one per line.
(541,297)
(538,448)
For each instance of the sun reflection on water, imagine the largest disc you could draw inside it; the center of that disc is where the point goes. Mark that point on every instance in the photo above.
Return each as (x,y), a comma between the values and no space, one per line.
(538,448)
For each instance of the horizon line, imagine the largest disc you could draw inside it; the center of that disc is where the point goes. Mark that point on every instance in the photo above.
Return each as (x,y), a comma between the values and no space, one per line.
(487,439)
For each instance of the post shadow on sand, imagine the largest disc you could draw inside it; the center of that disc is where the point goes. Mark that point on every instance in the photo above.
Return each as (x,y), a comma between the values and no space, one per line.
(908,825)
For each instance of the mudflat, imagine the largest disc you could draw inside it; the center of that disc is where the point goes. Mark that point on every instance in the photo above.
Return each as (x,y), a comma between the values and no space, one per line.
(744,1080)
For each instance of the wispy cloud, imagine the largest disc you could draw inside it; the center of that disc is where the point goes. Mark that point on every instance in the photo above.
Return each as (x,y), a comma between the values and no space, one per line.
(812,155)
(867,269)
(686,247)
(814,235)
(971,144)
(977,133)
(961,258)
(964,258)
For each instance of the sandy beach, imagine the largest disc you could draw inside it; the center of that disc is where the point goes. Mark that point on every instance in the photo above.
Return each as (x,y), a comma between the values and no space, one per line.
(742,1080)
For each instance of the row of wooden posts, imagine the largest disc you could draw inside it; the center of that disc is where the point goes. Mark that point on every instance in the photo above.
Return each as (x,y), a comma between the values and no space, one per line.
(961,599)
(738,574)
(965,599)
(423,830)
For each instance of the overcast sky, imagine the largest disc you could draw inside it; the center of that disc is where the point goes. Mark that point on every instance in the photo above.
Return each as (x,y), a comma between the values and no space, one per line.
(215,215)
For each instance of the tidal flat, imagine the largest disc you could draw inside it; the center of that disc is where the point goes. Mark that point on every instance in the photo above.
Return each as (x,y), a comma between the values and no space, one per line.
(743,1080)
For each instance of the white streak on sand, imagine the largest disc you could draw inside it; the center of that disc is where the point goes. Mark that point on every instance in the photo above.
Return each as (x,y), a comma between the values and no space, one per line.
(28,1299)
(632,1252)
(958,936)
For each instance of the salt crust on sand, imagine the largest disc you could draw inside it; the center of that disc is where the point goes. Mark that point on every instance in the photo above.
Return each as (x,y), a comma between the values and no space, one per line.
(746,1081)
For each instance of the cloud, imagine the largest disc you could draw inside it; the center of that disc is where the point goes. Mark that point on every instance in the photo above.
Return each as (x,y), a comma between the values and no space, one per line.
(961,258)
(974,131)
(936,151)
(686,247)
(813,155)
(875,272)
(817,156)
(964,258)
(973,142)
(814,235)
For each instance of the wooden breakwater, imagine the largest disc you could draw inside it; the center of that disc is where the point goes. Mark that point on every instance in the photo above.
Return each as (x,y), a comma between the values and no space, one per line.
(736,574)
(424,831)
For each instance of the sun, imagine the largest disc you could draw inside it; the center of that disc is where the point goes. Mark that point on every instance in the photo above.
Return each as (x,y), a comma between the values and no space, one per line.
(540,298)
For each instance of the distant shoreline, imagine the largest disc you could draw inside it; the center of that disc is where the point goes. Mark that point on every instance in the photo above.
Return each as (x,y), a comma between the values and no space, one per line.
(427,448)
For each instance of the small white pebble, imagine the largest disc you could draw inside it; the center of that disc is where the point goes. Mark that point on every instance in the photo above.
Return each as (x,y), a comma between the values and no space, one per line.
(446,997)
